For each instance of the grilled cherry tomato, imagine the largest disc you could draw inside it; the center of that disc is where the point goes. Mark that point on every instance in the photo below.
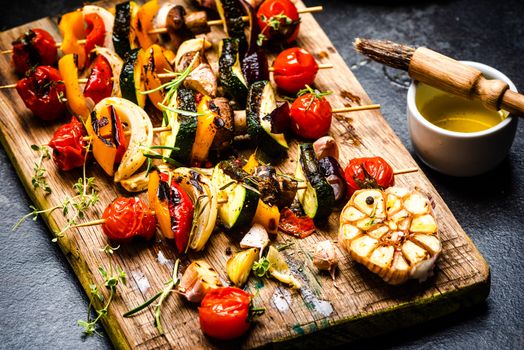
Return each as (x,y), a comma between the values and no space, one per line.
(294,68)
(99,84)
(224,313)
(372,172)
(36,47)
(95,32)
(311,115)
(278,21)
(298,226)
(68,145)
(42,90)
(126,218)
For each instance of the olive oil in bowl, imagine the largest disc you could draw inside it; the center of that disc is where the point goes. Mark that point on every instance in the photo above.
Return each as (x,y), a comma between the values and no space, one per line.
(455,113)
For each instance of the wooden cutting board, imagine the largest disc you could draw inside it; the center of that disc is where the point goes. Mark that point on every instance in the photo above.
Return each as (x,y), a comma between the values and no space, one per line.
(318,314)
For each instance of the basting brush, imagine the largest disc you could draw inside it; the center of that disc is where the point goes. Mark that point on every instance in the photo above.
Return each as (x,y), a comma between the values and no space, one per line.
(444,73)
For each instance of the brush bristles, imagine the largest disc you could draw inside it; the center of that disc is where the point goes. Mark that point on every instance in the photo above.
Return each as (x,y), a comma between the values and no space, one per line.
(385,52)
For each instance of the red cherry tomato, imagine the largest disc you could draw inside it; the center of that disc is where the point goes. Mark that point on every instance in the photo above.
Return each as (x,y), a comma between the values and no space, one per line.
(36,47)
(95,32)
(126,218)
(310,116)
(278,21)
(69,146)
(294,68)
(42,90)
(372,172)
(224,313)
(99,84)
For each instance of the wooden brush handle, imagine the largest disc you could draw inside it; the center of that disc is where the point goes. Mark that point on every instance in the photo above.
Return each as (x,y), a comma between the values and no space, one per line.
(513,102)
(459,79)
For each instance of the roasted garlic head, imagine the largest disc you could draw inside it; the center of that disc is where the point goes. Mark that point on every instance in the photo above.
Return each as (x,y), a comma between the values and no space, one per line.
(392,232)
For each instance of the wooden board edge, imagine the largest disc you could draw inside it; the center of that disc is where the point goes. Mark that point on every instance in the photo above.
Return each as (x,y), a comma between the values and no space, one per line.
(384,322)
(79,265)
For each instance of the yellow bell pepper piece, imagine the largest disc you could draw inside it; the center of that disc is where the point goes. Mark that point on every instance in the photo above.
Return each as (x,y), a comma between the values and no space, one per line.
(72,28)
(267,216)
(145,17)
(252,163)
(205,133)
(75,97)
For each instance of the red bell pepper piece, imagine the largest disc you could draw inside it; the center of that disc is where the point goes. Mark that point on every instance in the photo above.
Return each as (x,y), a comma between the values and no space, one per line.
(99,84)
(180,210)
(42,91)
(95,32)
(36,47)
(69,146)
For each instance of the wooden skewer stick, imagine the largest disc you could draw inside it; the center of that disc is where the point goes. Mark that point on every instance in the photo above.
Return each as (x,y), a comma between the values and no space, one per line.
(174,75)
(10,86)
(405,171)
(217,22)
(57,45)
(221,201)
(320,66)
(355,109)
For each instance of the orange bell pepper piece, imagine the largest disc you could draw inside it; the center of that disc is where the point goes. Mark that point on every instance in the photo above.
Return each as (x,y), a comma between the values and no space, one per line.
(145,17)
(76,101)
(206,131)
(154,62)
(107,152)
(72,28)
(160,208)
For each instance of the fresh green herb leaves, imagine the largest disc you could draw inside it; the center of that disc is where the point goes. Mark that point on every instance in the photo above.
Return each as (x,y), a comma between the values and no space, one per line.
(39,179)
(261,267)
(161,295)
(74,207)
(174,84)
(111,281)
(274,22)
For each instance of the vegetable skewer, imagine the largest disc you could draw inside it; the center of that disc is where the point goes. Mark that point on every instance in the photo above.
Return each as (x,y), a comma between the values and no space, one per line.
(217,22)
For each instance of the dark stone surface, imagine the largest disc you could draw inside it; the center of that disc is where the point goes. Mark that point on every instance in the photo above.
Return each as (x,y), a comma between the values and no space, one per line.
(41,300)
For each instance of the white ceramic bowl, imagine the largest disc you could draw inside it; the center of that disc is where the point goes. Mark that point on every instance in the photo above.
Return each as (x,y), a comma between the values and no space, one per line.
(457,153)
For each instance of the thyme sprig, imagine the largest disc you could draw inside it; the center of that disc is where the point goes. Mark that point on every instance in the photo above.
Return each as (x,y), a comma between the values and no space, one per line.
(85,198)
(39,179)
(170,285)
(112,279)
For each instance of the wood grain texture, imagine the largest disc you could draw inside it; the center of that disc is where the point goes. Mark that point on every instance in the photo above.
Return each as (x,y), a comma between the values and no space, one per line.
(363,305)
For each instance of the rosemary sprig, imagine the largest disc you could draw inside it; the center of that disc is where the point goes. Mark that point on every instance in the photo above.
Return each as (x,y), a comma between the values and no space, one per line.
(175,83)
(39,179)
(111,281)
(161,296)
